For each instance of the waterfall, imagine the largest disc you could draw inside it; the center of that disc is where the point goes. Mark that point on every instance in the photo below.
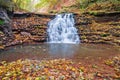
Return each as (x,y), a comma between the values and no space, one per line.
(62,29)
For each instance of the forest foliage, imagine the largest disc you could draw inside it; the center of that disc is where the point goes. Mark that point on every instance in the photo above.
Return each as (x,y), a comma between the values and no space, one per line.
(7,4)
(34,5)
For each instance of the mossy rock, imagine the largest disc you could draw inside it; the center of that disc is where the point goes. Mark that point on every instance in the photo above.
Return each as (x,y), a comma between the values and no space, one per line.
(95,13)
(83,37)
(104,34)
(116,34)
(7,4)
(102,13)
(38,26)
(1,22)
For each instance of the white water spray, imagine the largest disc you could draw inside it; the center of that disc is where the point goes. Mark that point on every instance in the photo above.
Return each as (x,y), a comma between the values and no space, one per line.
(62,29)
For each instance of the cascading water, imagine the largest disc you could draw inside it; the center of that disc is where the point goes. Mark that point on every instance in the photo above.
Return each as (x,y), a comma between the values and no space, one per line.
(61,29)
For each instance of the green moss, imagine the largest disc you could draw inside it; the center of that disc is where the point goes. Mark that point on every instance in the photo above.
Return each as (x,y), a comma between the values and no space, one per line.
(1,22)
(104,35)
(95,13)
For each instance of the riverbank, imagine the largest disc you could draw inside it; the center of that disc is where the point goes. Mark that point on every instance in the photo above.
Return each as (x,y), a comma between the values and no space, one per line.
(60,69)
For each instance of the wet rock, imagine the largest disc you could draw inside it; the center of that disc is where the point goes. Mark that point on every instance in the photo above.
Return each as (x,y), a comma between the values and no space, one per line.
(98,29)
(6,25)
(30,28)
(14,43)
(26,23)
(26,34)
(82,20)
(2,47)
(39,38)
(103,13)
(117,42)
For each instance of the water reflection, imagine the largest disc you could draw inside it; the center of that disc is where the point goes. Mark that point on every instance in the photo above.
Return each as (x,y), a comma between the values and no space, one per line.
(63,50)
(53,51)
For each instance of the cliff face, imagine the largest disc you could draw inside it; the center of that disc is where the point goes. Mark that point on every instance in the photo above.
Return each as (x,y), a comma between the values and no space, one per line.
(31,28)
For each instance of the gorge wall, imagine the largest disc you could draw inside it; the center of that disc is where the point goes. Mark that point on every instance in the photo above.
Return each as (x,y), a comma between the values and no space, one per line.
(31,28)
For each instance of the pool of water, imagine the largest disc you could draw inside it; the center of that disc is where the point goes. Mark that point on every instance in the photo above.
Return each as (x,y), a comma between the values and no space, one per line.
(55,51)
